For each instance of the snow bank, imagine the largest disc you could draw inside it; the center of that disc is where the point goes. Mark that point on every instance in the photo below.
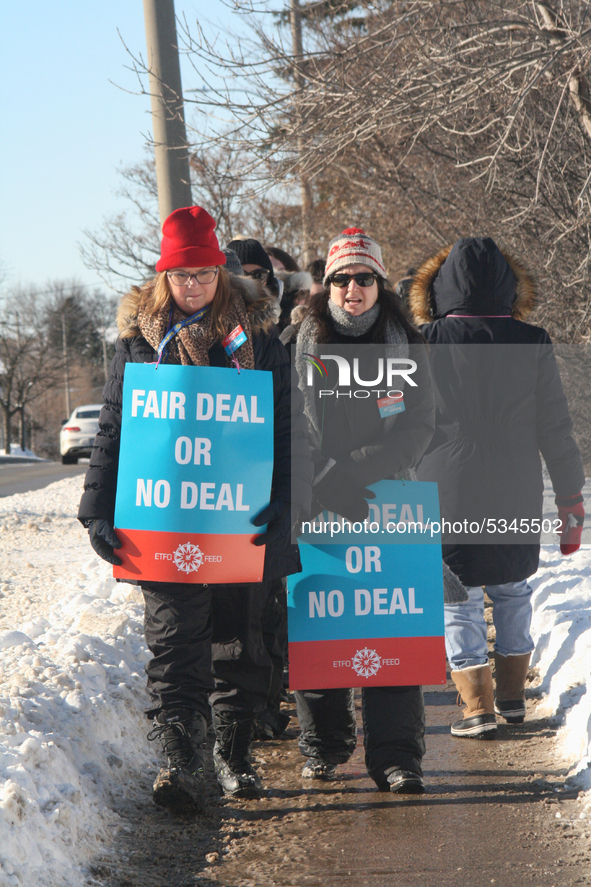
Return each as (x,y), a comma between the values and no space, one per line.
(72,732)
(72,689)
(562,633)
(17,453)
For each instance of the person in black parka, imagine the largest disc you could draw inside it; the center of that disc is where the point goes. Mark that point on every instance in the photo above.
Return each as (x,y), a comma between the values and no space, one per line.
(354,446)
(497,410)
(206,641)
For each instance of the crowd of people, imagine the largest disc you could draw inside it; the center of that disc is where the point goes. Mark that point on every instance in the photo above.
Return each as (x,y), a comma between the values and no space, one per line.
(473,425)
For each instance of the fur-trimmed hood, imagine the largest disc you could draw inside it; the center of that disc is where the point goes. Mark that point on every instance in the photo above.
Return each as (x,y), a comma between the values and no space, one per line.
(297,315)
(472,277)
(261,305)
(294,281)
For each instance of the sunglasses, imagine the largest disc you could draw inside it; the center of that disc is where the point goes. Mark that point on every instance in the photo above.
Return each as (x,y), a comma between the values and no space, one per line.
(258,274)
(364,278)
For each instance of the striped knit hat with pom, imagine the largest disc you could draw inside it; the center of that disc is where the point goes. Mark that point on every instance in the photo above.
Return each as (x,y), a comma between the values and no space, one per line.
(353,247)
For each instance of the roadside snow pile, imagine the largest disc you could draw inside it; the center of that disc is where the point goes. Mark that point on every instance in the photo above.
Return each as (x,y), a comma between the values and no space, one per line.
(17,451)
(562,633)
(72,732)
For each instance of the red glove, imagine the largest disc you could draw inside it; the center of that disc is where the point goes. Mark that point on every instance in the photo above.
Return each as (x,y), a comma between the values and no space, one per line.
(572,515)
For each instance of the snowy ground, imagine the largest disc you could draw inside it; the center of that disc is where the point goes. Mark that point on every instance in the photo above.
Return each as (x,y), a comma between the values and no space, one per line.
(72,732)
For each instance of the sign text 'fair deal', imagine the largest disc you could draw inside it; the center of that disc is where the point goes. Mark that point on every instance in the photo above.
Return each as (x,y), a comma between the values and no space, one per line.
(195,468)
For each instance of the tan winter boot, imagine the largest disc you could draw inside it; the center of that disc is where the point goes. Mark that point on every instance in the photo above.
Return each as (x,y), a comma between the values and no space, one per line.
(475,687)
(510,675)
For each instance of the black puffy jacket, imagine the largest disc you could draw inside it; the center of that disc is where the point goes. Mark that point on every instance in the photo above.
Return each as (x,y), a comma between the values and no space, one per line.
(497,408)
(369,447)
(290,441)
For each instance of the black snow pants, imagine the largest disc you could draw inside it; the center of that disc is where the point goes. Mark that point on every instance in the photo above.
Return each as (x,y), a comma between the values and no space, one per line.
(393,727)
(275,638)
(208,646)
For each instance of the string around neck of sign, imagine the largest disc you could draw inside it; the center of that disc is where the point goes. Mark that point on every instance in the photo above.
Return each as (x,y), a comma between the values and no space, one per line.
(172,331)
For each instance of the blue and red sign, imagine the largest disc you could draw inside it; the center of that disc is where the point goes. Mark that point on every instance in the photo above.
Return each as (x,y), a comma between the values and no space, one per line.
(234,340)
(389,406)
(195,468)
(368,608)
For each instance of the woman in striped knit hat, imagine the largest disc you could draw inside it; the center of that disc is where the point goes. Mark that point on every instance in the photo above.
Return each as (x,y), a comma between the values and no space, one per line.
(355,446)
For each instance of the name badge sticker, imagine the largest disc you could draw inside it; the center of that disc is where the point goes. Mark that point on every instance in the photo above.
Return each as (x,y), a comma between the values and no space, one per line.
(388,406)
(234,340)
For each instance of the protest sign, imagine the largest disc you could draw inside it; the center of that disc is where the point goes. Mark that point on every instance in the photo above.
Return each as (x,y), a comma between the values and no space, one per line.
(195,468)
(367,610)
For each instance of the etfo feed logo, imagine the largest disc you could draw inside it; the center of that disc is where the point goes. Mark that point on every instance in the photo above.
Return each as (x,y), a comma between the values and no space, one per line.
(366,663)
(188,557)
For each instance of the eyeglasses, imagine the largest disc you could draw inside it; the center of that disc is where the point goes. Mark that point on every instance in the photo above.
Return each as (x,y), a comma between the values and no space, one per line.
(183,278)
(258,274)
(364,278)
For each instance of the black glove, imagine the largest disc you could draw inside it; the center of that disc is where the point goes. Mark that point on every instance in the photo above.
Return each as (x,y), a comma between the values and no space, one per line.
(338,492)
(278,515)
(104,539)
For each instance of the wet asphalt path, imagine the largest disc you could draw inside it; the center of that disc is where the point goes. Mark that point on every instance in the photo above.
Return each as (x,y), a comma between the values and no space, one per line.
(495,812)
(487,818)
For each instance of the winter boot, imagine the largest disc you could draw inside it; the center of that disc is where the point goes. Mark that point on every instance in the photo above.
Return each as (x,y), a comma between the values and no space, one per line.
(271,724)
(510,675)
(181,785)
(475,688)
(231,755)
(405,782)
(317,768)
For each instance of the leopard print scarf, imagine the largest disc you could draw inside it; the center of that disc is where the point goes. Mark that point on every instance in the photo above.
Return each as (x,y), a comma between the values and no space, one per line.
(192,343)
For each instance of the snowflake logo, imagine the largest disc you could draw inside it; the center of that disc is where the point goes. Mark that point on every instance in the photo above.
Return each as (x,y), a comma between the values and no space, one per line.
(188,557)
(366,663)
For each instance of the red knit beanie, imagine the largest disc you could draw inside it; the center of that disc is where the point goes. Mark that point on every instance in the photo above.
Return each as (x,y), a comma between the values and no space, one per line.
(188,240)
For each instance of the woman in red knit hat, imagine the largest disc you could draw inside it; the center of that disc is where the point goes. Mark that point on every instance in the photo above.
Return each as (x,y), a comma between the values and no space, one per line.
(207,647)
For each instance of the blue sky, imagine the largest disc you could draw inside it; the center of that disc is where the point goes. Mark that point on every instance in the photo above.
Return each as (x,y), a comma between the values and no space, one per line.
(65,127)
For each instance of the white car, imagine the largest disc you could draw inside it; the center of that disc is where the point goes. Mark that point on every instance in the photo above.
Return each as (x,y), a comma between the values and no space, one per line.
(78,433)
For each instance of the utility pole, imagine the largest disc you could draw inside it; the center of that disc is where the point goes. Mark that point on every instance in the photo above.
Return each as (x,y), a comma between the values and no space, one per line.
(305,190)
(20,389)
(105,361)
(66,369)
(104,340)
(168,119)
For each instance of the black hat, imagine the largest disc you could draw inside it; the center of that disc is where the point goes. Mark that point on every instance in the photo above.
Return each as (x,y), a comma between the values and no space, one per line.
(250,252)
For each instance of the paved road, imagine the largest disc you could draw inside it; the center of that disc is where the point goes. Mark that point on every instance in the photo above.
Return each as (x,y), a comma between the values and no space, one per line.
(20,477)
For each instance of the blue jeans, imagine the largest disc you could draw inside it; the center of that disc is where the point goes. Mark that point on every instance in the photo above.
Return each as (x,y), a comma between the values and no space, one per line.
(465,626)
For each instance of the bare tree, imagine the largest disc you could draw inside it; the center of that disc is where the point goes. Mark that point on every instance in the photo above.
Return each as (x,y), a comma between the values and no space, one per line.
(52,342)
(127,246)
(471,112)
(26,368)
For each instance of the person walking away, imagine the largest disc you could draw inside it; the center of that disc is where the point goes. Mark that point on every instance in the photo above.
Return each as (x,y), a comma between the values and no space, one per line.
(206,641)
(498,408)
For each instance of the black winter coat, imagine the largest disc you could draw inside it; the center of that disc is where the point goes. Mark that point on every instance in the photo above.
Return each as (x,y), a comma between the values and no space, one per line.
(290,442)
(368,447)
(497,408)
